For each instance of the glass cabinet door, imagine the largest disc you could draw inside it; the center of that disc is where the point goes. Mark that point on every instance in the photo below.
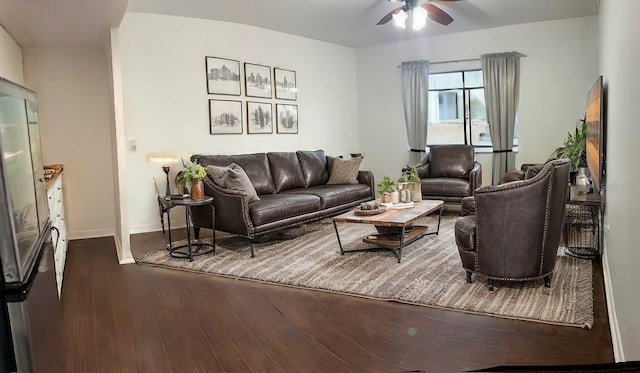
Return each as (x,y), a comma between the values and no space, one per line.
(18,175)
(38,167)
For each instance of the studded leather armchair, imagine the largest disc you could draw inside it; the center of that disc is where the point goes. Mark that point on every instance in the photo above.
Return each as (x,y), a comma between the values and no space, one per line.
(516,230)
(449,173)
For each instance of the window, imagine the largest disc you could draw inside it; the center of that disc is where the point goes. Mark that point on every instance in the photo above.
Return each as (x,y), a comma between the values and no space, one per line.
(457,111)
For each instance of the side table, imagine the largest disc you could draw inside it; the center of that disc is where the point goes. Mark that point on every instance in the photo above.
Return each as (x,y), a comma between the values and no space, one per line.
(193,247)
(583,225)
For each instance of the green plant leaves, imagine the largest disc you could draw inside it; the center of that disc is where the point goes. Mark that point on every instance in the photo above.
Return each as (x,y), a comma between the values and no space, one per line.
(191,173)
(574,146)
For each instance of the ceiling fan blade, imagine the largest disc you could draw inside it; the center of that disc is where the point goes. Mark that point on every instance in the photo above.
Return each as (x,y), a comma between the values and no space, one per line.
(437,14)
(389,16)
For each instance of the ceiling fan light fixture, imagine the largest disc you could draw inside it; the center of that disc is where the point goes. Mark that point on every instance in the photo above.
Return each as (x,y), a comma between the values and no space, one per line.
(419,18)
(400,18)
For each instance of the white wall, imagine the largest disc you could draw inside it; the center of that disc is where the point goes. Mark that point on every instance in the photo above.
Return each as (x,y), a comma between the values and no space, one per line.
(10,58)
(619,61)
(73,101)
(116,101)
(166,100)
(560,68)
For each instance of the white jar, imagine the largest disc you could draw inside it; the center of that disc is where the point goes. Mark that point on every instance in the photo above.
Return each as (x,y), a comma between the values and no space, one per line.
(582,181)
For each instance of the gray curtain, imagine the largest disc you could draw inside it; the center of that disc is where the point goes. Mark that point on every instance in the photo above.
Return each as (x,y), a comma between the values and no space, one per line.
(415,91)
(501,73)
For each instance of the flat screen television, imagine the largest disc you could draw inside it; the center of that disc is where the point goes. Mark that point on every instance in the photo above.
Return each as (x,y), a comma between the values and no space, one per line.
(595,133)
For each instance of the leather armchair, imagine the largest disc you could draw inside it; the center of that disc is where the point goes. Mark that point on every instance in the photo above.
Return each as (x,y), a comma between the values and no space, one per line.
(516,230)
(449,173)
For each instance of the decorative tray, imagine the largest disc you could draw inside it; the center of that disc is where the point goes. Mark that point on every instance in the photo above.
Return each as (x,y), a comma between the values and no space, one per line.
(379,210)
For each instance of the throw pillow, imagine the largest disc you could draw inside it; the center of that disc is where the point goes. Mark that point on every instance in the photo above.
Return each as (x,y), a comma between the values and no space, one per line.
(344,171)
(238,180)
(532,171)
(217,174)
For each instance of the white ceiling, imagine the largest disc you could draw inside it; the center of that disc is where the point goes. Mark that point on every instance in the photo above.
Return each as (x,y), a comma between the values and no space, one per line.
(346,22)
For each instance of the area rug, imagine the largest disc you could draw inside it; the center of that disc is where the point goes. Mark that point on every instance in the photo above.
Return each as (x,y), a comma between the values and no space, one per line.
(430,273)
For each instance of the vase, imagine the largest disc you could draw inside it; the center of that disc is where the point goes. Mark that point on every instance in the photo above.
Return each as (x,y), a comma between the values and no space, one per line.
(395,197)
(404,193)
(416,191)
(582,181)
(197,190)
(385,197)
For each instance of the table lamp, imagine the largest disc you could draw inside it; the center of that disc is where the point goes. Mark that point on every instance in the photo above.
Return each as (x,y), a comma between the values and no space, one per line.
(165,160)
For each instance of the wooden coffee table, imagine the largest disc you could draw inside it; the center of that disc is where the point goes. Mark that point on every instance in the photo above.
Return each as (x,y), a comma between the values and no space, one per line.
(395,226)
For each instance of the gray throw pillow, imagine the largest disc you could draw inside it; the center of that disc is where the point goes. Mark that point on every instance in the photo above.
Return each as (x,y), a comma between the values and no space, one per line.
(217,174)
(344,171)
(532,171)
(237,179)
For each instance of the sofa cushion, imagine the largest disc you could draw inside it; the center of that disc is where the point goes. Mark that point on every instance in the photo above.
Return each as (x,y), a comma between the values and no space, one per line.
(335,195)
(344,171)
(255,165)
(273,207)
(443,186)
(451,161)
(314,167)
(286,171)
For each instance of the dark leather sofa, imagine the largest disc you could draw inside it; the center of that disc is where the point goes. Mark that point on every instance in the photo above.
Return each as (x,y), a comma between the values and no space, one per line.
(292,187)
(516,229)
(449,173)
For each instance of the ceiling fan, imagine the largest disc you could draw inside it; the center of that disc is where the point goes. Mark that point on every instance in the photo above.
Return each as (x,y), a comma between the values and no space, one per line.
(418,12)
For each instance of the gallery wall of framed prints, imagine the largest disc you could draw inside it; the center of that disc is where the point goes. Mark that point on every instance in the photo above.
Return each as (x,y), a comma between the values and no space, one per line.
(262,86)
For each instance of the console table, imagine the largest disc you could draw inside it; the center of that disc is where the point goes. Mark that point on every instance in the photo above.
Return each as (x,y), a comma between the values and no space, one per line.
(583,225)
(193,247)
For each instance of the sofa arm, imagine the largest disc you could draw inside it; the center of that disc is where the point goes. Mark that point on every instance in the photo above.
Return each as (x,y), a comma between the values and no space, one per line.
(475,176)
(232,210)
(366,177)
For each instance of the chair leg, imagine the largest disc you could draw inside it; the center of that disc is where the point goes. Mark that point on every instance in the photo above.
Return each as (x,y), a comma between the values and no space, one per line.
(547,281)
(251,244)
(490,285)
(469,277)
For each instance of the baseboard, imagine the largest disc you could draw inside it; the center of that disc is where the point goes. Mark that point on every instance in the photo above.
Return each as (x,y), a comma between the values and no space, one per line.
(94,233)
(618,351)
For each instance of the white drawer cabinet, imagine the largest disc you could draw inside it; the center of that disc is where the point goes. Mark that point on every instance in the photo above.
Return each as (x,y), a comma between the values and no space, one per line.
(56,214)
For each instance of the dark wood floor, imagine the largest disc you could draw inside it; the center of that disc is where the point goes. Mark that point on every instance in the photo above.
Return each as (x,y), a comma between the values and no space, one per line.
(138,318)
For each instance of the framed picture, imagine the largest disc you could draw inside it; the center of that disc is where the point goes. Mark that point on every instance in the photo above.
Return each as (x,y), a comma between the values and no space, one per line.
(259,117)
(223,76)
(257,80)
(285,82)
(225,117)
(287,118)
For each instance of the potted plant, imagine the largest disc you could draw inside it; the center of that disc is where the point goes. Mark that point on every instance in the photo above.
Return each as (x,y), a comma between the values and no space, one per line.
(574,148)
(192,175)
(414,185)
(386,186)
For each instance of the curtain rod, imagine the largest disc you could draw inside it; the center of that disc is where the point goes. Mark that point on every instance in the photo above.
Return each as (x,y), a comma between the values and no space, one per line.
(458,61)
